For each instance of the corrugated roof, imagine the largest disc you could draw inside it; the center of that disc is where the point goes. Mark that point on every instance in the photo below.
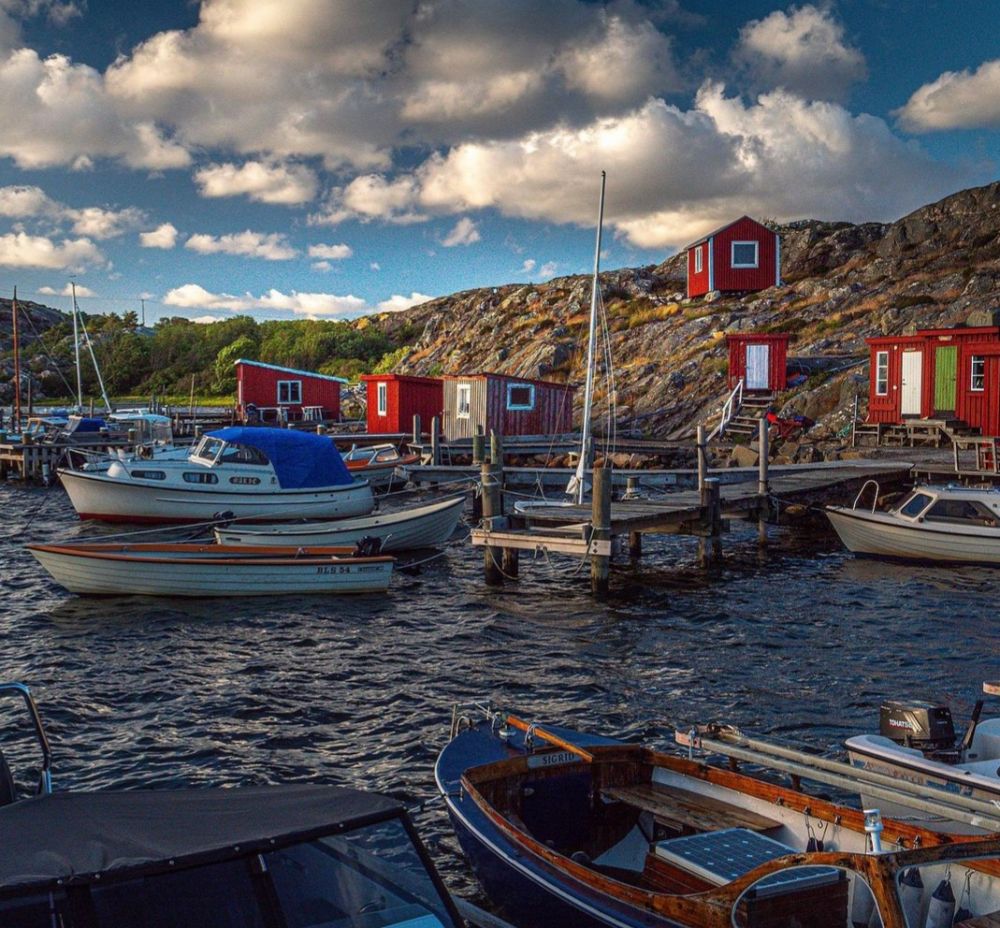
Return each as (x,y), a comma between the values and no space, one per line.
(290,370)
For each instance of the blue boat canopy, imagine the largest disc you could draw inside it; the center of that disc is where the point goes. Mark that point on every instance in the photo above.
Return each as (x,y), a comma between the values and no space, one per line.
(301,460)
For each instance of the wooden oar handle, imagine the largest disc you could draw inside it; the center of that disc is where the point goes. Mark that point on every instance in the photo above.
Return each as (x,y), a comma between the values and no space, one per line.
(991,687)
(553,739)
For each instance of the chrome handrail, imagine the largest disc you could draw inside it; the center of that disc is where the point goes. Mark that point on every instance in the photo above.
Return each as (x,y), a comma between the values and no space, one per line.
(865,485)
(734,402)
(45,781)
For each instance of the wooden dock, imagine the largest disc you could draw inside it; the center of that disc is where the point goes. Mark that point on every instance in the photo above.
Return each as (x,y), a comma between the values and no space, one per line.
(37,461)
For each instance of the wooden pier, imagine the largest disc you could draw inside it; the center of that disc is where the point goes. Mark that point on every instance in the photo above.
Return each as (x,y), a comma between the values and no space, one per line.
(37,461)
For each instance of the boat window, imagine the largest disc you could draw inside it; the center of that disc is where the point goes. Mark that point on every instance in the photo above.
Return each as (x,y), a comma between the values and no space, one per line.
(220,895)
(243,454)
(795,896)
(208,448)
(38,911)
(915,505)
(367,878)
(148,474)
(162,432)
(962,511)
(200,477)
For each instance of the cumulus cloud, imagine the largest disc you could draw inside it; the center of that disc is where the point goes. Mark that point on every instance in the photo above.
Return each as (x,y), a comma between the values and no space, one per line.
(163,236)
(464,233)
(372,196)
(803,51)
(528,266)
(311,305)
(95,222)
(271,246)
(283,184)
(68,290)
(331,252)
(207,320)
(19,202)
(18,249)
(955,100)
(397,302)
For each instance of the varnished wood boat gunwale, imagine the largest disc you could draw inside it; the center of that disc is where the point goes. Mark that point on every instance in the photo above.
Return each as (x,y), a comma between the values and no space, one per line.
(225,554)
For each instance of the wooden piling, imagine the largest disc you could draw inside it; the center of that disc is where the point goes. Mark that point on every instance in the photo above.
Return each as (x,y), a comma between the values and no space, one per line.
(702,456)
(600,520)
(418,435)
(709,543)
(491,510)
(478,448)
(635,545)
(762,489)
(496,448)
(435,441)
(510,562)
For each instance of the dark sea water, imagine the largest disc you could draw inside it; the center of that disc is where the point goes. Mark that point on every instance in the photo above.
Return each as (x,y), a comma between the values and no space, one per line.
(800,644)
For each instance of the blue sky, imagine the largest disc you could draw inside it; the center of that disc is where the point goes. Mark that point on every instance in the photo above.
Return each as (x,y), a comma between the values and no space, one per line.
(327,158)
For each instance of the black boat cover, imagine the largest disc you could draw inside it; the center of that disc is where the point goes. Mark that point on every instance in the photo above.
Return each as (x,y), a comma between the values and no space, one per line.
(71,837)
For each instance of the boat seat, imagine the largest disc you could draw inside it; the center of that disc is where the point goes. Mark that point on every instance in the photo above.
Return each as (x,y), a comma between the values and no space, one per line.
(678,809)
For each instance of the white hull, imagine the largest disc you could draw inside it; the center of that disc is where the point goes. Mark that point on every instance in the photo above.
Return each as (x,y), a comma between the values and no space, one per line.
(883,534)
(91,572)
(100,496)
(420,527)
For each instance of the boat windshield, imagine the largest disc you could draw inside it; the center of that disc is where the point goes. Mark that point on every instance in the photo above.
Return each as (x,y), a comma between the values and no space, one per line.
(372,877)
(915,505)
(208,449)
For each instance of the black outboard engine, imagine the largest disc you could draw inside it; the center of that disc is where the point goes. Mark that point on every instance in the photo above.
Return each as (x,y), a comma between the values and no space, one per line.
(368,546)
(921,725)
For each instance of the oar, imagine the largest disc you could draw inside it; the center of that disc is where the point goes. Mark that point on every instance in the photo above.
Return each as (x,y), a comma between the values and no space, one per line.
(553,739)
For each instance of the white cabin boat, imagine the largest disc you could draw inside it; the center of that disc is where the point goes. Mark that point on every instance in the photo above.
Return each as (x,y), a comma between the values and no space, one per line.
(415,527)
(933,523)
(184,569)
(256,473)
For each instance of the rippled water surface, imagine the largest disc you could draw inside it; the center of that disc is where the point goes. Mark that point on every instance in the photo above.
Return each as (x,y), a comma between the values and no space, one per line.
(801,643)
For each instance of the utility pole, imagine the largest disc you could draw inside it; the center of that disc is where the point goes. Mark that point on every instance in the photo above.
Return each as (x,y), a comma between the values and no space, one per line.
(142,301)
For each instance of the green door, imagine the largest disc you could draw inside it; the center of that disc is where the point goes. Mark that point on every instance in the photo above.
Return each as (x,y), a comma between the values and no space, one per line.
(945,371)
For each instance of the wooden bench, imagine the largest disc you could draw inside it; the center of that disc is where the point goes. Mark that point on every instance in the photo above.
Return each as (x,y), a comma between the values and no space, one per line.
(680,808)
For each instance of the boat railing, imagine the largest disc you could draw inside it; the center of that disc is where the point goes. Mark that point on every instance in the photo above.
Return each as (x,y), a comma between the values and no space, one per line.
(45,778)
(861,492)
(730,409)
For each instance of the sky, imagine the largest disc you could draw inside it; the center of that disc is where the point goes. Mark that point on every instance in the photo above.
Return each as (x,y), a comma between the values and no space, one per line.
(330,158)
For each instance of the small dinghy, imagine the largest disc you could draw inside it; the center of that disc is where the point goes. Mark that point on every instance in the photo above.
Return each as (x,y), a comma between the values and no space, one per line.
(948,524)
(917,742)
(573,830)
(185,569)
(377,464)
(414,527)
(243,857)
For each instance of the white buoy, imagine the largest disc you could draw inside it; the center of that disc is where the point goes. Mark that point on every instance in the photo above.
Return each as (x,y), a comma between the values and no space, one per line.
(911,895)
(941,909)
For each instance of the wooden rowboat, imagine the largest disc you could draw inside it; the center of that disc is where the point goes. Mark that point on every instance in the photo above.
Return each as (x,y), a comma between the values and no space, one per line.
(415,527)
(568,829)
(155,569)
(377,464)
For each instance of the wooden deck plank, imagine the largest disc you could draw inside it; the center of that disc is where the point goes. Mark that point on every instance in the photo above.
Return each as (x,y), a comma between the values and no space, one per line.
(678,807)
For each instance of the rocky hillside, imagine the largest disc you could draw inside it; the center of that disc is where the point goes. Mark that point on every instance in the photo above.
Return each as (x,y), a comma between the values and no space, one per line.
(842,283)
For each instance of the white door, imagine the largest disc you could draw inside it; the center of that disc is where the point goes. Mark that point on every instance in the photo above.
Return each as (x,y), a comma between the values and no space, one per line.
(913,367)
(757,364)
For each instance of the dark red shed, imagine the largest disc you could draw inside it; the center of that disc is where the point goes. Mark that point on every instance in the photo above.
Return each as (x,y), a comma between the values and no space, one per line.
(742,256)
(759,359)
(951,374)
(284,393)
(505,404)
(394,399)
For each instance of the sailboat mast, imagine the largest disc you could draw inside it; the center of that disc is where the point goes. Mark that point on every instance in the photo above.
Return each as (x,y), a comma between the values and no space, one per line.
(17,364)
(76,352)
(586,452)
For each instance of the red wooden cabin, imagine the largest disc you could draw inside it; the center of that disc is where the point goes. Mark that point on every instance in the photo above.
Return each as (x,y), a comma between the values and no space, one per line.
(760,359)
(394,399)
(951,374)
(505,404)
(742,256)
(284,393)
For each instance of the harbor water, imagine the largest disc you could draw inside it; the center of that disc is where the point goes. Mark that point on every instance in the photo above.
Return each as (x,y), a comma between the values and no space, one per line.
(800,644)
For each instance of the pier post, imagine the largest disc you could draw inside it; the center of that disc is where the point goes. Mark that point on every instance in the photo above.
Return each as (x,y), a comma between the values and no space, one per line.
(491,509)
(496,448)
(435,441)
(478,448)
(510,562)
(762,439)
(418,435)
(702,457)
(709,543)
(635,545)
(600,520)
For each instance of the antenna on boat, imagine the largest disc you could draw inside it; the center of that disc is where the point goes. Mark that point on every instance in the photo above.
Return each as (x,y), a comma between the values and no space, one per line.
(586,455)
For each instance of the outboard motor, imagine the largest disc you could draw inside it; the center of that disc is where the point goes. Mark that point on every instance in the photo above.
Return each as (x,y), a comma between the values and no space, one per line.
(921,725)
(368,546)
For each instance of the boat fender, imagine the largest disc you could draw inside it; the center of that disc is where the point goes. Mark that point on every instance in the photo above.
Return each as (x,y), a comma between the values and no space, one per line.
(911,894)
(941,909)
(814,845)
(963,914)
(368,546)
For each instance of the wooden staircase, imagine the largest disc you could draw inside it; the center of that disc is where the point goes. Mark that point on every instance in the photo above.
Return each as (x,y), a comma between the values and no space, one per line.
(746,423)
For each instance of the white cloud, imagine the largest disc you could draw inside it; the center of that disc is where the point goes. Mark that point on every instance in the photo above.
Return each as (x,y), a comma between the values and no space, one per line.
(955,100)
(19,202)
(372,196)
(67,290)
(95,222)
(321,266)
(271,246)
(802,51)
(163,236)
(374,266)
(18,249)
(528,266)
(548,269)
(207,320)
(398,302)
(464,233)
(311,305)
(283,184)
(331,252)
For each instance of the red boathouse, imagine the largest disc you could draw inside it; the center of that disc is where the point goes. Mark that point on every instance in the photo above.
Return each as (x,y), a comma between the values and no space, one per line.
(394,399)
(760,359)
(505,404)
(740,257)
(284,393)
(950,374)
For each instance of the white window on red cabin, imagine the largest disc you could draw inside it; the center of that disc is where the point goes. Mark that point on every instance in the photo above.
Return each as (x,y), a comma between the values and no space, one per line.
(698,260)
(881,373)
(383,399)
(520,396)
(978,382)
(289,392)
(744,254)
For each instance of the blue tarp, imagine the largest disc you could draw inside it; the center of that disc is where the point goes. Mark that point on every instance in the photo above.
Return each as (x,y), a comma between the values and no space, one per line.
(300,460)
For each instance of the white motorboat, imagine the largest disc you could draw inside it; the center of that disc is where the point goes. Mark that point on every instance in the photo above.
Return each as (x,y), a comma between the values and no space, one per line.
(933,523)
(917,743)
(185,569)
(415,527)
(256,473)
